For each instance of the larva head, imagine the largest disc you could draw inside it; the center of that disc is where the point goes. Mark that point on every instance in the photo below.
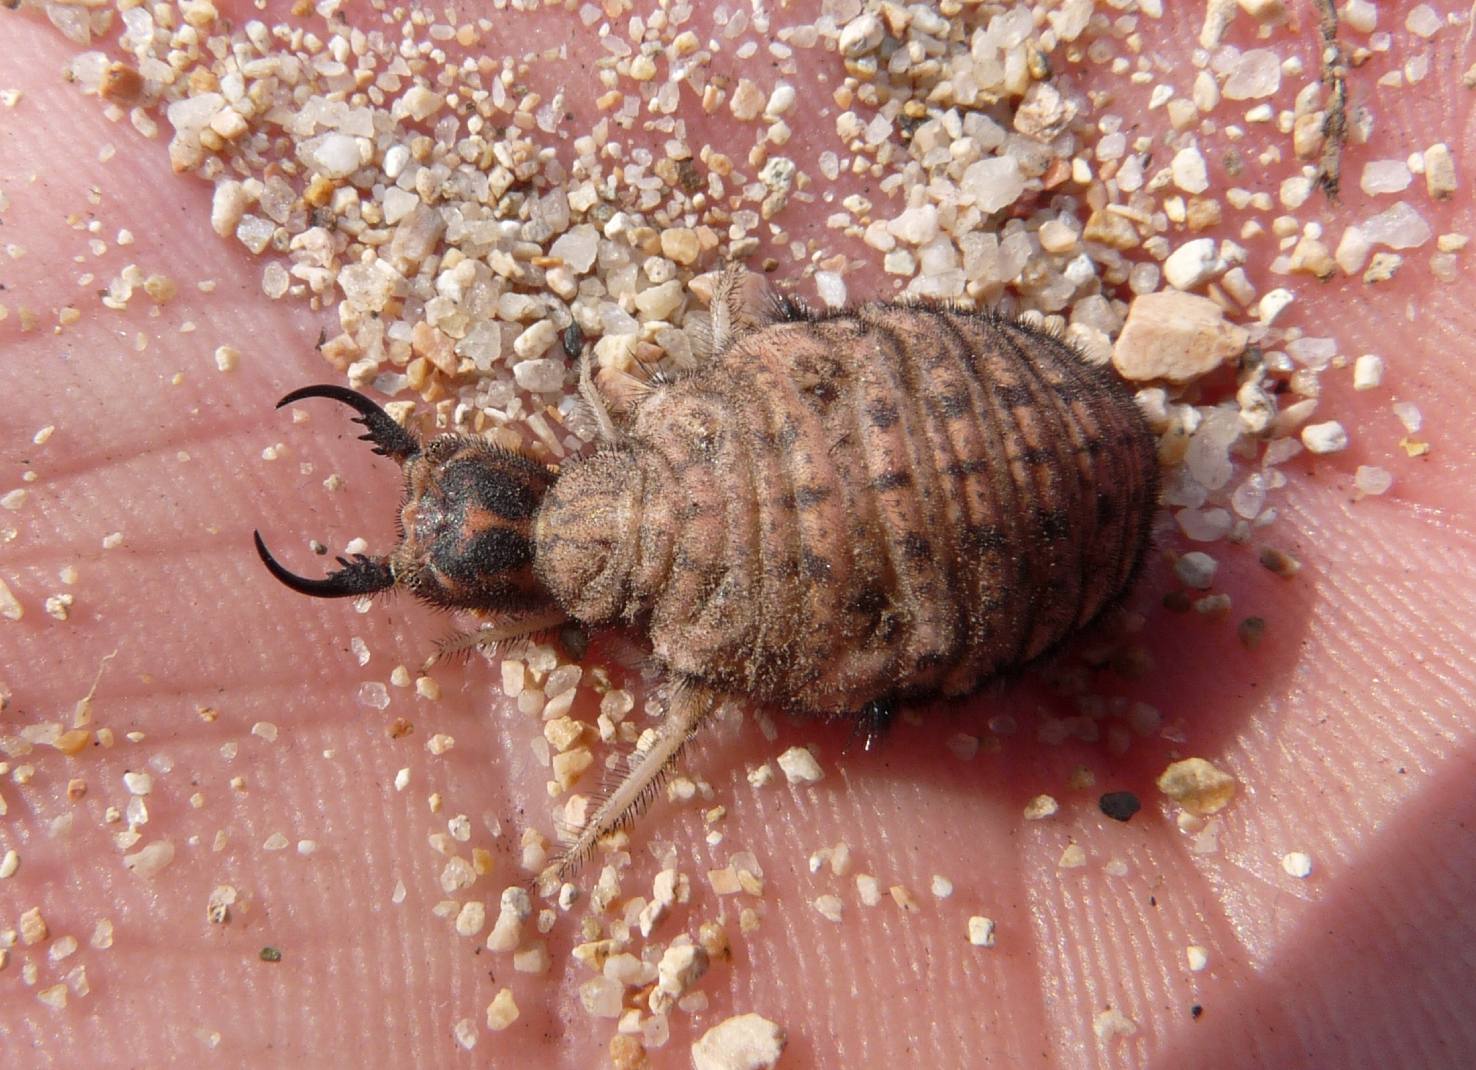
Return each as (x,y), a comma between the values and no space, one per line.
(465,524)
(467,521)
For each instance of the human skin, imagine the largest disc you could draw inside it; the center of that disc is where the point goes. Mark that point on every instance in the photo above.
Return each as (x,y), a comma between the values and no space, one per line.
(1349,729)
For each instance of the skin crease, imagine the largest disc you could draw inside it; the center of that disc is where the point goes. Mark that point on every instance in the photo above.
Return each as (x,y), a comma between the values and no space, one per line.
(1349,729)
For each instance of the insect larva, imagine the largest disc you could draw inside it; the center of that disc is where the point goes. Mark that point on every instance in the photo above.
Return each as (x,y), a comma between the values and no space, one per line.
(836,514)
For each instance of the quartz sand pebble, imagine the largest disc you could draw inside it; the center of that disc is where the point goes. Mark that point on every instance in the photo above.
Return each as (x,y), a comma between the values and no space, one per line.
(829,907)
(800,767)
(1197,785)
(1372,480)
(981,931)
(1175,336)
(10,606)
(1113,1023)
(502,1011)
(1040,808)
(1368,372)
(1196,569)
(1297,864)
(1326,437)
(743,1042)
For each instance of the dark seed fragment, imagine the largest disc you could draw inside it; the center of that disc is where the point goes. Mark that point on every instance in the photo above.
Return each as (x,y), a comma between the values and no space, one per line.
(1119,805)
(270,954)
(573,339)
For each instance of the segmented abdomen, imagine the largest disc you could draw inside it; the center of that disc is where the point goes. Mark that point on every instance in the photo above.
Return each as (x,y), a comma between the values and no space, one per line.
(899,500)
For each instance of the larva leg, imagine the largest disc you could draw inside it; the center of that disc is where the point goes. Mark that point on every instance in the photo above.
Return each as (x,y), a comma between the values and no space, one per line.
(591,395)
(492,635)
(691,705)
(732,316)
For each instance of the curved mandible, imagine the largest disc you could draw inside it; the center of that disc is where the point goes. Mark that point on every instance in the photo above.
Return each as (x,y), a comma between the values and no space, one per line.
(388,438)
(359,576)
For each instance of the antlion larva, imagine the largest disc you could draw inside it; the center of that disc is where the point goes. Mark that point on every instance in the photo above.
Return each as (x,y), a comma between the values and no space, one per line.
(835,514)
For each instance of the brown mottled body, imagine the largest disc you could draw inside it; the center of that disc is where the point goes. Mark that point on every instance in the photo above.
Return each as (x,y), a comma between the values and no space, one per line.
(893,502)
(833,514)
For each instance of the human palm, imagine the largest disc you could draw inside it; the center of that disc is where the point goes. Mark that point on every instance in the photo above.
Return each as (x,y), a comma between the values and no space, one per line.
(1348,728)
